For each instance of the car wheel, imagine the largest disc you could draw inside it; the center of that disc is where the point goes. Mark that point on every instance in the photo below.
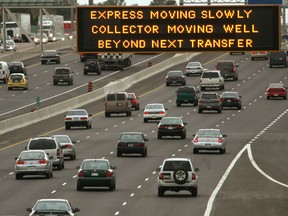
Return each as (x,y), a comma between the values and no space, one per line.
(219,110)
(159,136)
(202,88)
(239,107)
(85,73)
(183,136)
(62,166)
(285,97)
(9,88)
(112,186)
(222,151)
(195,103)
(144,153)
(18,176)
(48,175)
(42,62)
(138,107)
(268,97)
(199,110)
(194,191)
(119,154)
(167,84)
(79,187)
(107,114)
(67,127)
(87,126)
(145,120)
(178,104)
(54,83)
(160,192)
(72,157)
(180,176)
(59,166)
(195,151)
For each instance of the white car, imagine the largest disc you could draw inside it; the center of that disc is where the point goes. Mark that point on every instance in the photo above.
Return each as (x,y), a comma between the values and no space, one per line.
(194,68)
(209,139)
(67,145)
(212,79)
(53,207)
(78,117)
(154,111)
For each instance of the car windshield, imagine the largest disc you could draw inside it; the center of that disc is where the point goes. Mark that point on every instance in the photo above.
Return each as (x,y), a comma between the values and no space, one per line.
(42,144)
(76,112)
(16,78)
(208,133)
(49,53)
(154,106)
(63,139)
(186,90)
(224,64)
(210,75)
(175,73)
(95,164)
(171,121)
(174,165)
(209,96)
(229,95)
(32,155)
(194,65)
(131,137)
(52,205)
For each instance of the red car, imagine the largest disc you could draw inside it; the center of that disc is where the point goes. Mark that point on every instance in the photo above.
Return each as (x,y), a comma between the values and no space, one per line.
(134,101)
(276,90)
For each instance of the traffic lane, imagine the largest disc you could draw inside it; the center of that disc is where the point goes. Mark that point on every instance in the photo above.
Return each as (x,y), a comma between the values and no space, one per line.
(41,80)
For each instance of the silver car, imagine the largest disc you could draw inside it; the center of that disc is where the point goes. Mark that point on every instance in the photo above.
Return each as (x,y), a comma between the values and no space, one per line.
(78,117)
(209,139)
(53,207)
(154,111)
(33,162)
(193,68)
(68,146)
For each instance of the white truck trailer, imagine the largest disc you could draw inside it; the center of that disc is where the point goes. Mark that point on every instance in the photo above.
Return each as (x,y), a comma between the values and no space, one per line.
(52,24)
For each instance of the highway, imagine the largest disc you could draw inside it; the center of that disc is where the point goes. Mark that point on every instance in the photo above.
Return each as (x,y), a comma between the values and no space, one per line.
(250,179)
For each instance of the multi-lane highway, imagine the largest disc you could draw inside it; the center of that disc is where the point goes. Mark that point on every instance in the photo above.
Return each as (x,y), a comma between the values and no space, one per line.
(250,179)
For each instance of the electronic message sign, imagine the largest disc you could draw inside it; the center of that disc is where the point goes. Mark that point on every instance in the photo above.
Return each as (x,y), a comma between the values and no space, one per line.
(178,28)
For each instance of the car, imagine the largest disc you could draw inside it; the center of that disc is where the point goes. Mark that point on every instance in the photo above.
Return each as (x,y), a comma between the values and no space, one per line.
(18,80)
(4,71)
(37,38)
(186,95)
(228,69)
(175,77)
(67,145)
(209,101)
(154,111)
(278,59)
(231,99)
(52,207)
(17,67)
(194,68)
(92,66)
(78,118)
(212,79)
(59,37)
(276,90)
(51,146)
(63,75)
(171,126)
(237,52)
(117,103)
(10,45)
(209,139)
(132,143)
(96,173)
(33,162)
(177,174)
(258,55)
(50,56)
(134,101)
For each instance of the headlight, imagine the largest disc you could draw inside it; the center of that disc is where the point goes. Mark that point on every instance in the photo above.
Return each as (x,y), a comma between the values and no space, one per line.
(50,35)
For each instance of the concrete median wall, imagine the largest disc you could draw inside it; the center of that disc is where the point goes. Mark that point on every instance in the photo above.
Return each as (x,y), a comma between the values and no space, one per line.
(80,101)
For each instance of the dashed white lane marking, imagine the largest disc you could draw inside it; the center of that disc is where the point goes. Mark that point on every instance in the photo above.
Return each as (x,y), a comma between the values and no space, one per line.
(139,186)
(54,191)
(147,179)
(87,137)
(124,203)
(117,213)
(114,125)
(64,183)
(132,194)
(106,129)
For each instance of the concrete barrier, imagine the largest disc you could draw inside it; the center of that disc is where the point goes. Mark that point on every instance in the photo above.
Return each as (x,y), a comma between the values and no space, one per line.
(118,85)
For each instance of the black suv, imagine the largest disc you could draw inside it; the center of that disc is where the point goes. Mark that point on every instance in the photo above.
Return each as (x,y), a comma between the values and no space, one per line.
(175,77)
(278,58)
(209,101)
(92,66)
(50,56)
(187,95)
(228,69)
(17,67)
(63,75)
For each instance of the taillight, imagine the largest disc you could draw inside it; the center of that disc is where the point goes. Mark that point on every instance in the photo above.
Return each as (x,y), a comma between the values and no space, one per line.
(162,112)
(145,113)
(68,119)
(222,99)
(68,146)
(200,101)
(234,69)
(81,174)
(121,144)
(83,118)
(42,162)
(162,126)
(20,162)
(133,101)
(193,176)
(139,144)
(196,140)
(108,173)
(178,126)
(220,140)
(160,176)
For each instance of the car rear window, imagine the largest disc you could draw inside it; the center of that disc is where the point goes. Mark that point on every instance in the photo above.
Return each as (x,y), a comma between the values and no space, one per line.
(210,75)
(208,133)
(32,155)
(98,165)
(225,95)
(209,96)
(224,64)
(76,112)
(111,97)
(42,144)
(120,97)
(174,165)
(174,73)
(62,71)
(186,90)
(131,137)
(171,121)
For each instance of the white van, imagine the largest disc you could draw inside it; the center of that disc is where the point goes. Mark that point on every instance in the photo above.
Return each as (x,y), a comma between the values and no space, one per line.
(4,71)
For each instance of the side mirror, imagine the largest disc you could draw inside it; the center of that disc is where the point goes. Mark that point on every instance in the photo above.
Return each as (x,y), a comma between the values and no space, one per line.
(76,209)
(114,167)
(16,158)
(185,123)
(90,115)
(146,139)
(236,65)
(240,96)
(29,209)
(158,169)
(197,169)
(166,108)
(50,157)
(224,135)
(197,91)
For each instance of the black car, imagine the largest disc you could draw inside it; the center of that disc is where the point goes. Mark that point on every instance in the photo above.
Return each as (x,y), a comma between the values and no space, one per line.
(175,77)
(187,95)
(92,66)
(132,143)
(209,101)
(63,75)
(231,99)
(17,67)
(228,69)
(171,126)
(50,56)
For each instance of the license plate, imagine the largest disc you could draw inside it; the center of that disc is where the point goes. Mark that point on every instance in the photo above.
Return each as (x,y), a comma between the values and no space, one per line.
(228,100)
(170,128)
(173,81)
(119,104)
(94,174)
(130,145)
(209,107)
(207,144)
(275,94)
(61,80)
(76,118)
(185,100)
(48,60)
(31,168)
(166,176)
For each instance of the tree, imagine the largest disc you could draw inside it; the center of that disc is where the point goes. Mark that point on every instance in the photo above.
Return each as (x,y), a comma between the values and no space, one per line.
(163,2)
(113,2)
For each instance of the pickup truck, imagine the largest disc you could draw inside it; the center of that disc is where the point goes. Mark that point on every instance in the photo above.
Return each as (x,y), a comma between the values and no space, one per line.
(63,75)
(211,79)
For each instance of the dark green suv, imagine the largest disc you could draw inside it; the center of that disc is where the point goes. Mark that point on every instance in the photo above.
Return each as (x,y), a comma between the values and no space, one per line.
(187,95)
